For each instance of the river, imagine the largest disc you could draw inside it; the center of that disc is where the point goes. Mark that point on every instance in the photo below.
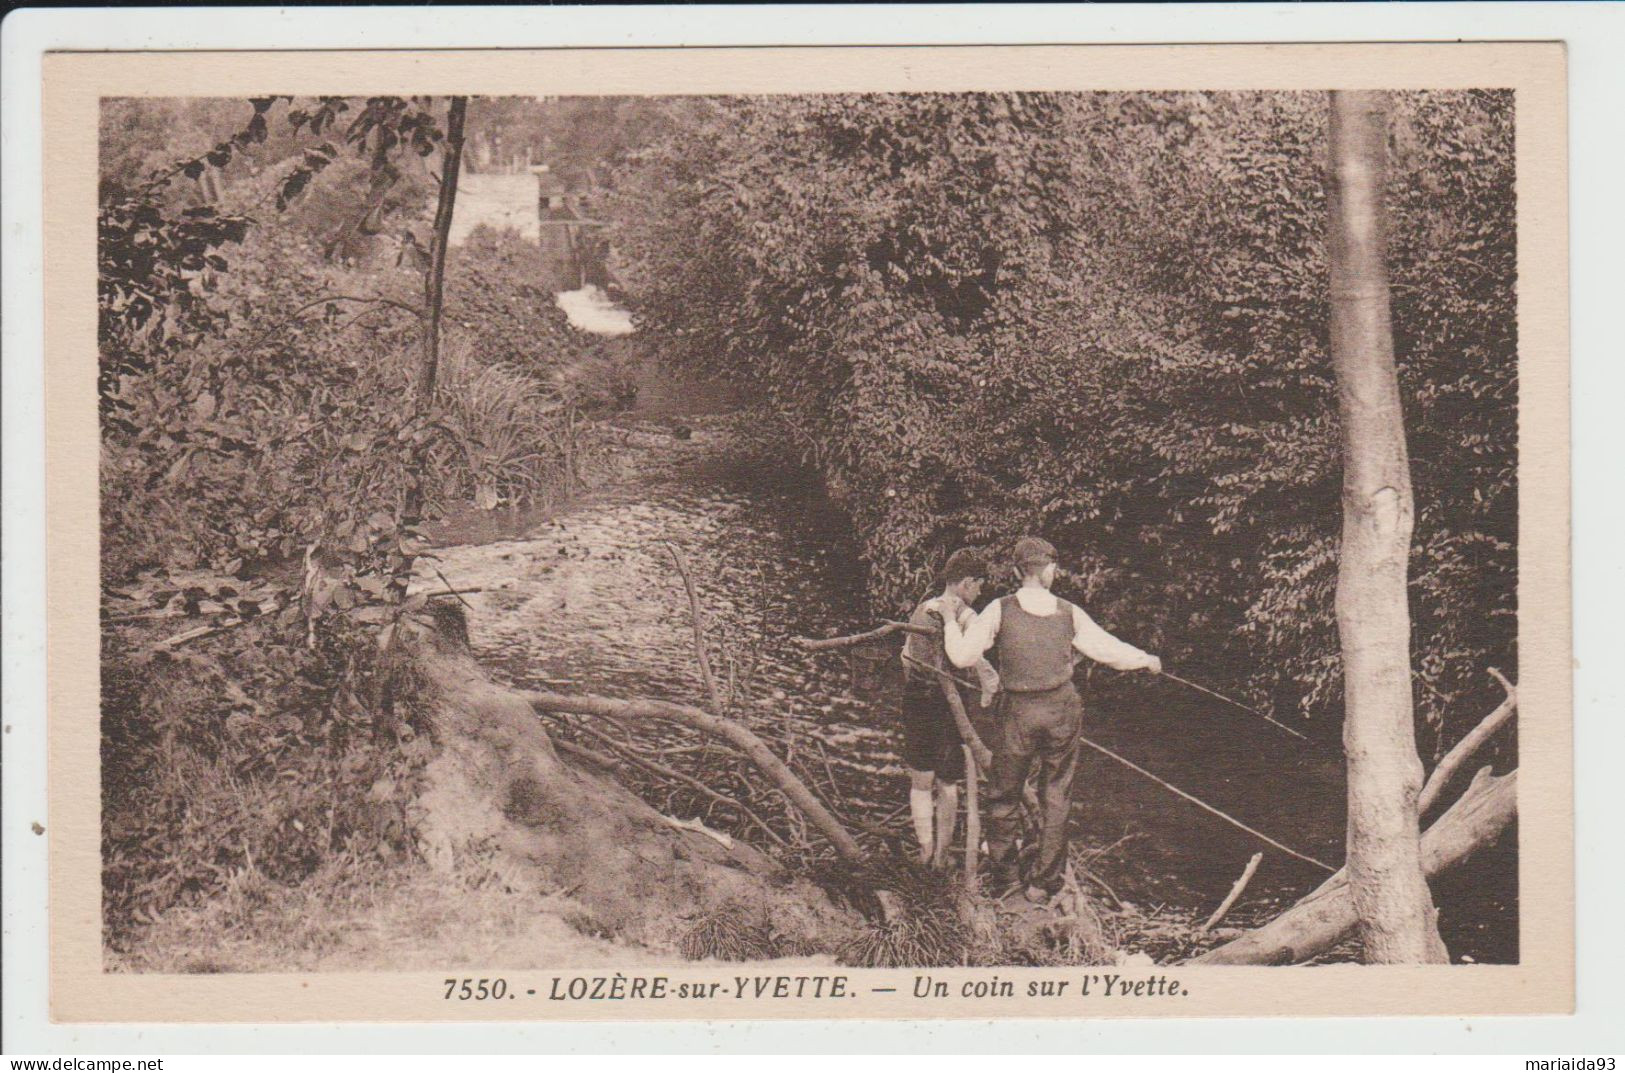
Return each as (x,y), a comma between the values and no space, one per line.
(585,598)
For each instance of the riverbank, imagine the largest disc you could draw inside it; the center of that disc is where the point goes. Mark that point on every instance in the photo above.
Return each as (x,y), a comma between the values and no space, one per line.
(584,597)
(437,871)
(489,849)
(774,559)
(587,599)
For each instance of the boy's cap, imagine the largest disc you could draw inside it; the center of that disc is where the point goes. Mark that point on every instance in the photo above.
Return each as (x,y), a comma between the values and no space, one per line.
(962,564)
(1031,551)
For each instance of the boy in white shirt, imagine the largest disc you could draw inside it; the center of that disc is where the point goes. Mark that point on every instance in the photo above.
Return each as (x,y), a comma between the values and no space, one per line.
(932,745)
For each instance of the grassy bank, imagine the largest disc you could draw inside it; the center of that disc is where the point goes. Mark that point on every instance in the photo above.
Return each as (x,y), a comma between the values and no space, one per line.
(360,915)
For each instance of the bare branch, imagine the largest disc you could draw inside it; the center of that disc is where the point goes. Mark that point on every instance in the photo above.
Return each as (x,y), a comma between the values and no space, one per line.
(697,618)
(1466,747)
(636,758)
(376,300)
(736,734)
(1235,892)
(886,630)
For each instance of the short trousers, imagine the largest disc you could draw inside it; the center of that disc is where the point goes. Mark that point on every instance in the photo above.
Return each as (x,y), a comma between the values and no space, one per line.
(931,740)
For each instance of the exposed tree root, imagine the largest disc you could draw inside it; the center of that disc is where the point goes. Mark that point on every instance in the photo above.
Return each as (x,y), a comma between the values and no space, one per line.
(498,780)
(778,773)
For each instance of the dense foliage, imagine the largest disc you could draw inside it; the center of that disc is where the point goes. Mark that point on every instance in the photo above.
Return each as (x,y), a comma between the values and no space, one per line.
(260,325)
(1103,318)
(249,755)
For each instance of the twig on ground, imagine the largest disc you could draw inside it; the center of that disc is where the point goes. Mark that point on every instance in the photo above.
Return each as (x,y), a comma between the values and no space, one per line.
(697,619)
(1094,855)
(576,749)
(829,771)
(633,756)
(452,589)
(1235,892)
(724,840)
(1105,886)
(193,634)
(795,818)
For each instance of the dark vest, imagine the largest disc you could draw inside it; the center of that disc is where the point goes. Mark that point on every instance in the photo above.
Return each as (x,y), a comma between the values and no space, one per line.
(1035,651)
(926,650)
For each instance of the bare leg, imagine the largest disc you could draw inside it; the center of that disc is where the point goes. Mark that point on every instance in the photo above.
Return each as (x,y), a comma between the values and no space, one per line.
(920,807)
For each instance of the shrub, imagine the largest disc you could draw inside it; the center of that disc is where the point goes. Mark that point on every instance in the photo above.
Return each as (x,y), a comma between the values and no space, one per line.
(516,438)
(496,295)
(258,413)
(731,932)
(253,755)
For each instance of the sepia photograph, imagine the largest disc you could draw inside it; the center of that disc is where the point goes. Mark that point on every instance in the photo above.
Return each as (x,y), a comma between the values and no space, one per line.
(802,545)
(486,481)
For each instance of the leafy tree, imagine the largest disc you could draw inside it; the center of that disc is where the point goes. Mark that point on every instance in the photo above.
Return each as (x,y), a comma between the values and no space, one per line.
(259,412)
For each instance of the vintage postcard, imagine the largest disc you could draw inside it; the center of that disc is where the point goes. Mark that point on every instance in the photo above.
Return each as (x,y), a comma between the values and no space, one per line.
(1033,532)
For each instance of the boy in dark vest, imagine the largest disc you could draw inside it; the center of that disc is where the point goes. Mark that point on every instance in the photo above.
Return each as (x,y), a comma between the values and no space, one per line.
(1035,635)
(932,746)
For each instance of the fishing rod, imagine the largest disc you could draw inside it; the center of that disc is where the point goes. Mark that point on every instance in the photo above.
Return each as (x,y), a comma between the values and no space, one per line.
(1164,783)
(1199,803)
(1233,703)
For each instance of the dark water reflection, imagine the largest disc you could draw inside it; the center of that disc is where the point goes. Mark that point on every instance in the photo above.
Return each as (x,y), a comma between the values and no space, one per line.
(589,600)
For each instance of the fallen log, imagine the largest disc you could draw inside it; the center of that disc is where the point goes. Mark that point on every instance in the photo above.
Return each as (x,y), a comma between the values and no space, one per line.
(746,741)
(1318,921)
(1466,747)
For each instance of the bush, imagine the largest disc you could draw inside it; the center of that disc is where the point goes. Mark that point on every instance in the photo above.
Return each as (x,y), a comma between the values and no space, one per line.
(252,755)
(258,413)
(732,932)
(496,295)
(514,435)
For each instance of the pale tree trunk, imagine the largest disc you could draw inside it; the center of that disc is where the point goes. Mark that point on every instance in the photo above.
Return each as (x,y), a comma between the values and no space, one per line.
(1398,923)
(434,279)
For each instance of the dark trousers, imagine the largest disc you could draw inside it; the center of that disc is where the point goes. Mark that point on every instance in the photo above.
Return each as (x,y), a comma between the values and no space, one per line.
(1038,729)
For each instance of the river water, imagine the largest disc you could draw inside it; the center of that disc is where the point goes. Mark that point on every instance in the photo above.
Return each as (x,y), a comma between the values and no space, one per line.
(585,598)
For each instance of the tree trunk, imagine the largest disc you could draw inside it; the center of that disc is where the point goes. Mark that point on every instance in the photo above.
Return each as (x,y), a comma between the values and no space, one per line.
(1319,920)
(434,281)
(1390,895)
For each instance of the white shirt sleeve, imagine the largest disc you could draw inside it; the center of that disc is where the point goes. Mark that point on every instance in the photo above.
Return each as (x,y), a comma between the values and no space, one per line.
(966,644)
(1101,646)
(986,676)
